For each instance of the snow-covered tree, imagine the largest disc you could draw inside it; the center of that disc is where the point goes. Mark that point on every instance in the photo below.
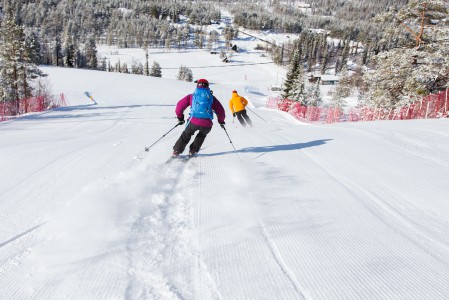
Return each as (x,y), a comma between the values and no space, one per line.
(18,56)
(91,53)
(344,86)
(418,18)
(147,64)
(228,33)
(68,52)
(156,70)
(185,74)
(137,68)
(298,90)
(213,38)
(292,73)
(56,54)
(402,74)
(325,59)
(313,94)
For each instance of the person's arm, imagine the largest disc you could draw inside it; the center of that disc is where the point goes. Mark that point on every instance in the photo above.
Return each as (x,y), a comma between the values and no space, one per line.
(219,110)
(244,101)
(182,105)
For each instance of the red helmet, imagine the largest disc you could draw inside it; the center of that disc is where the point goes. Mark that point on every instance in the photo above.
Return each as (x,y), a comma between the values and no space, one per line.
(202,83)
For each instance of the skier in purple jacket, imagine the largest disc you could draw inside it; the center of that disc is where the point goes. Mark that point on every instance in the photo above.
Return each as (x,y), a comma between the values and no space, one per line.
(201,115)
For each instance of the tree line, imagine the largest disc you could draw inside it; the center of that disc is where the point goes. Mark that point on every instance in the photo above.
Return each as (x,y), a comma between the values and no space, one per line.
(329,34)
(410,58)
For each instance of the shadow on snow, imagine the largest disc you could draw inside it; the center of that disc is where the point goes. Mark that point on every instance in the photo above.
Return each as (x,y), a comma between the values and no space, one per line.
(267,149)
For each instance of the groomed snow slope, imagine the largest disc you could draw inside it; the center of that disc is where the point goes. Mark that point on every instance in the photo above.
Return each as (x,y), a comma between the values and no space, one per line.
(341,211)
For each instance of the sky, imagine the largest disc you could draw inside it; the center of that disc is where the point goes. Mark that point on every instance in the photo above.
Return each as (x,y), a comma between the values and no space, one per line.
(282,210)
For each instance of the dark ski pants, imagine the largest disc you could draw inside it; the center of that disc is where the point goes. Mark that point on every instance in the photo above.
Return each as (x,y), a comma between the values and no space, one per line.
(186,135)
(242,117)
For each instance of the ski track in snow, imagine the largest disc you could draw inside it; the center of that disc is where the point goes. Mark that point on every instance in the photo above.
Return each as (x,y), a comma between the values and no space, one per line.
(300,212)
(393,218)
(248,231)
(163,221)
(409,143)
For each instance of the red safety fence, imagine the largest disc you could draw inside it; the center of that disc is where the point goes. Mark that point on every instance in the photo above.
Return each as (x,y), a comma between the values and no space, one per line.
(312,114)
(14,109)
(429,107)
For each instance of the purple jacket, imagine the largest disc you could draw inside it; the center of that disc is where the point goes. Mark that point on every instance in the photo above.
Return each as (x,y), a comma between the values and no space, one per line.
(216,107)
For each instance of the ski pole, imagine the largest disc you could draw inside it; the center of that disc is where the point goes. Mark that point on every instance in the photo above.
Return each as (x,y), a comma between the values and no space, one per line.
(148,148)
(257,115)
(232,144)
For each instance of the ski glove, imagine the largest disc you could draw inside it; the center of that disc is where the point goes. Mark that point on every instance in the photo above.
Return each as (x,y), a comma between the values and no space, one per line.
(181,120)
(233,114)
(222,124)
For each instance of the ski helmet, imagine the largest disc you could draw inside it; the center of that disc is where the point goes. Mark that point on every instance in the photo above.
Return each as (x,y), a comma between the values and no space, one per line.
(202,83)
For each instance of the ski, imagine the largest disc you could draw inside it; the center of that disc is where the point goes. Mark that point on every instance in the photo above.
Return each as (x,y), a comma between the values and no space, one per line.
(184,158)
(188,157)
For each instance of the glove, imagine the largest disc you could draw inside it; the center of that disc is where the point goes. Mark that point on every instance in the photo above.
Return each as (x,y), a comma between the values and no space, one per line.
(181,120)
(233,114)
(222,124)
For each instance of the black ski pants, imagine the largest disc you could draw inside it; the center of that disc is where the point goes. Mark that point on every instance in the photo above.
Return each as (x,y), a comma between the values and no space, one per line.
(186,135)
(242,117)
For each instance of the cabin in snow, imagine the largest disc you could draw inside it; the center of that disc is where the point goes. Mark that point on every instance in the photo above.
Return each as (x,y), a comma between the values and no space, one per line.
(324,79)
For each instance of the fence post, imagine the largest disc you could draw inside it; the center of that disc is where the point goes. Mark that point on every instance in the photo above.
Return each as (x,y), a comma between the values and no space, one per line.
(396,112)
(389,113)
(445,103)
(408,109)
(427,109)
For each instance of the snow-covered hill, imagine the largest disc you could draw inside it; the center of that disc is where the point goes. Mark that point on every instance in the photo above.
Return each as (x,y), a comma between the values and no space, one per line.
(341,211)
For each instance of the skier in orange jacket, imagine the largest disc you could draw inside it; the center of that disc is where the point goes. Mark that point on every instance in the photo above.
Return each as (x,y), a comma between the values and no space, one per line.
(237,105)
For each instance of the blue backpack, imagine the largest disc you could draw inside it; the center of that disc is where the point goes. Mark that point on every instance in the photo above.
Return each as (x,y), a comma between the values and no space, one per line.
(202,99)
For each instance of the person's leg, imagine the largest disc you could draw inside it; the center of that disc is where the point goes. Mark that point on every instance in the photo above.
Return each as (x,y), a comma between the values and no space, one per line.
(184,139)
(240,118)
(247,119)
(199,139)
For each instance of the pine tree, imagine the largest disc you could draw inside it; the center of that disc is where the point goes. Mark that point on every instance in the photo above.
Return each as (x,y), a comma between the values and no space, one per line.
(10,46)
(69,52)
(156,70)
(34,47)
(337,66)
(185,74)
(91,53)
(423,67)
(18,56)
(313,94)
(56,57)
(365,57)
(398,79)
(137,68)
(104,65)
(147,65)
(292,73)
(415,18)
(325,59)
(212,40)
(228,33)
(344,56)
(298,91)
(124,68)
(344,87)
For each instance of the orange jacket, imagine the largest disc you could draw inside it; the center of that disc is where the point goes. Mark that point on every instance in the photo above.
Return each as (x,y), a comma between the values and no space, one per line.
(237,103)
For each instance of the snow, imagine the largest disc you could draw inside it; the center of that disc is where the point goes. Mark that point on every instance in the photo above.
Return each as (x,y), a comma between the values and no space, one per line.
(297,211)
